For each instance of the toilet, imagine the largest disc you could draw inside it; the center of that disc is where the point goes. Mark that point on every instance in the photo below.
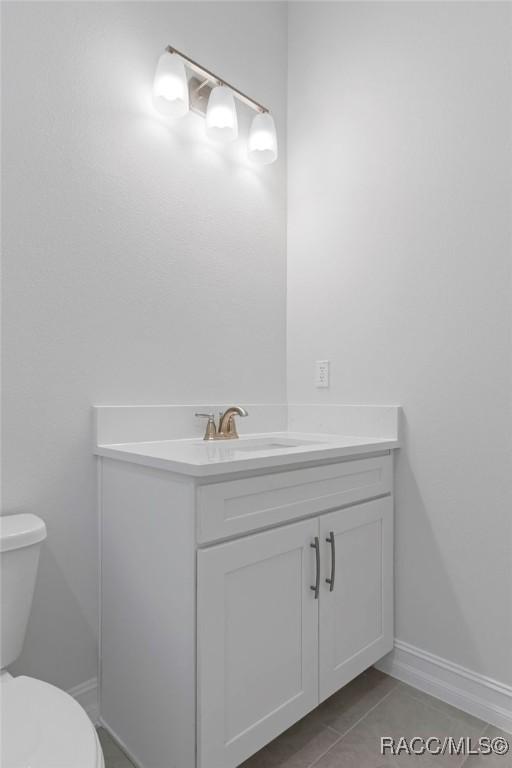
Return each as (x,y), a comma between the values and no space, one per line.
(41,726)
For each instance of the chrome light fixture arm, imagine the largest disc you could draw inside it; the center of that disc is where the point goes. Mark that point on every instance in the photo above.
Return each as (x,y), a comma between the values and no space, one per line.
(211,79)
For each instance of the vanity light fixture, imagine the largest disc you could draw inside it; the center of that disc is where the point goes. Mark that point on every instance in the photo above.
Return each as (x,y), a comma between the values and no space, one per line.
(181,84)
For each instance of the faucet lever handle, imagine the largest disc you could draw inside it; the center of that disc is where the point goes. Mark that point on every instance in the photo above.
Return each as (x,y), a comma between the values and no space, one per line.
(211,429)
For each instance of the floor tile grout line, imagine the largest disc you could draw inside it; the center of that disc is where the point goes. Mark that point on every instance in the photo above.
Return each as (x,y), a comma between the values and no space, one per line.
(377,704)
(435,708)
(441,711)
(342,735)
(315,761)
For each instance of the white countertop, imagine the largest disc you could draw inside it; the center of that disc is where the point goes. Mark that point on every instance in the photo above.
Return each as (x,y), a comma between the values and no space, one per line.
(269,450)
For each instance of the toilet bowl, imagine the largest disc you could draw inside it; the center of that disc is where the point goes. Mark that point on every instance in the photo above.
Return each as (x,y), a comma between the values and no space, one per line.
(41,726)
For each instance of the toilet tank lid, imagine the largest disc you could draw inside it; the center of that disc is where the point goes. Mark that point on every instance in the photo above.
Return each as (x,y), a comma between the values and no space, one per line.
(20,530)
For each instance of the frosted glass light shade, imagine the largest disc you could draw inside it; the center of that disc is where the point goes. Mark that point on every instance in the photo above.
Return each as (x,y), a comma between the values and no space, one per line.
(170,88)
(262,146)
(221,118)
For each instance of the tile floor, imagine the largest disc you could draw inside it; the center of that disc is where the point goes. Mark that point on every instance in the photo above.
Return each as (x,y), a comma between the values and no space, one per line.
(114,757)
(345,731)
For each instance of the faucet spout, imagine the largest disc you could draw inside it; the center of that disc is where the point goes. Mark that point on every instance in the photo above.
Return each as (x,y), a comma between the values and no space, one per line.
(227,426)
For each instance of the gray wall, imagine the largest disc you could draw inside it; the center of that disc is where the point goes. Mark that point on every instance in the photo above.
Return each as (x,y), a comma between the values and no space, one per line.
(399,264)
(141,263)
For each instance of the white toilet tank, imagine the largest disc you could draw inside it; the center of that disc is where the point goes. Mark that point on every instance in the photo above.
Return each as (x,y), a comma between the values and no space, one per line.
(20,541)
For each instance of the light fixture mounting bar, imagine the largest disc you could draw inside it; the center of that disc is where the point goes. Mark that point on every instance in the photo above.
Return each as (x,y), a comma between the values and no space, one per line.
(205,73)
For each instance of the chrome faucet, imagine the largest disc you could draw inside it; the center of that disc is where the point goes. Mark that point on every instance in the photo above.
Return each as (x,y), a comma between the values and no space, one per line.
(227,426)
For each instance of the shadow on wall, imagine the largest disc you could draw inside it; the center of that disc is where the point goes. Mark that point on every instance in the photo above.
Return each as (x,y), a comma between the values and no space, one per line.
(45,619)
(424,617)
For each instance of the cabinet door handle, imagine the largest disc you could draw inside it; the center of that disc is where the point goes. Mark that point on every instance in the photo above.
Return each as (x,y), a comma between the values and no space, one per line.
(316,547)
(330,540)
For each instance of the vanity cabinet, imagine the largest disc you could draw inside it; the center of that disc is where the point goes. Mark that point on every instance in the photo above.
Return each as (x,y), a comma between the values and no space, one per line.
(232,608)
(274,640)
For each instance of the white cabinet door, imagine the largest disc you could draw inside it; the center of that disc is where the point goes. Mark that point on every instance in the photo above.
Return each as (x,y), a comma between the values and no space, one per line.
(356,615)
(257,641)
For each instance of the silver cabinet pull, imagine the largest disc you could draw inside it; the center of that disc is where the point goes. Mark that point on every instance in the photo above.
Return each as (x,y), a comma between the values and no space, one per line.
(316,547)
(330,540)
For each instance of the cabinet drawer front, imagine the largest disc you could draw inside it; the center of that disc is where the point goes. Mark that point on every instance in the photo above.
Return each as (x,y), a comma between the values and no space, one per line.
(238,506)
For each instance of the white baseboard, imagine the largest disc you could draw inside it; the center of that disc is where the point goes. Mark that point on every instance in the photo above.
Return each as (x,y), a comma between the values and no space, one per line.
(475,694)
(87,696)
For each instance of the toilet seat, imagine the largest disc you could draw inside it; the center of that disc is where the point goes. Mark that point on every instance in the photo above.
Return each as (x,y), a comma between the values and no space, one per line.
(43,727)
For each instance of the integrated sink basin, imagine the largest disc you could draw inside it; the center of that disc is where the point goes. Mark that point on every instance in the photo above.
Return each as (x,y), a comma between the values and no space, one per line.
(268,444)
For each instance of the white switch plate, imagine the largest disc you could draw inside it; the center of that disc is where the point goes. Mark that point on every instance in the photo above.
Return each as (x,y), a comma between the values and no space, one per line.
(322,373)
